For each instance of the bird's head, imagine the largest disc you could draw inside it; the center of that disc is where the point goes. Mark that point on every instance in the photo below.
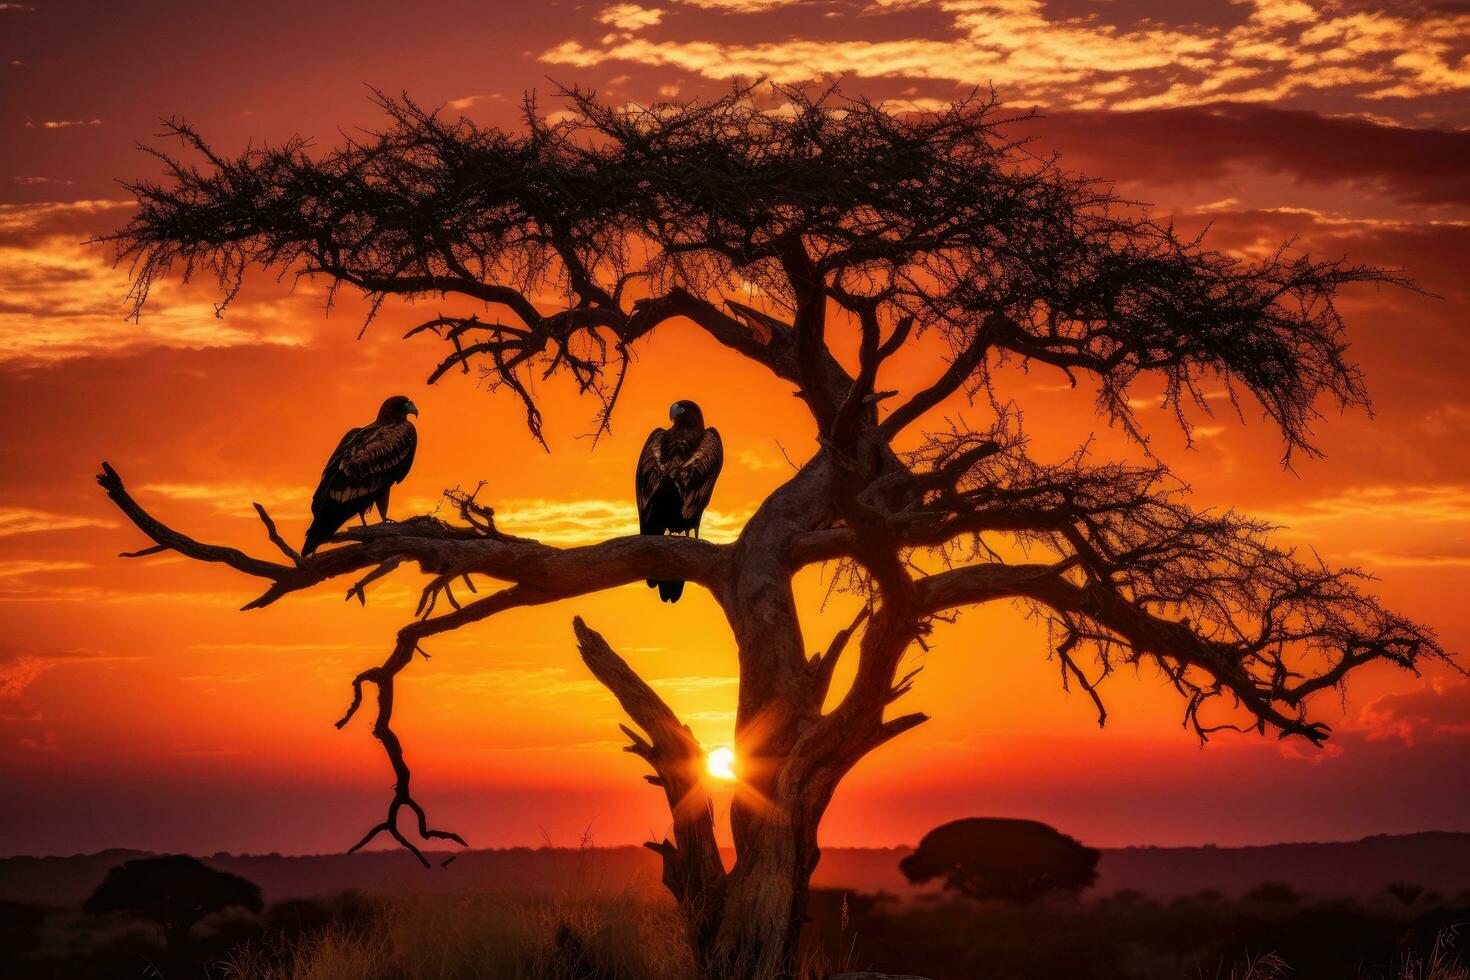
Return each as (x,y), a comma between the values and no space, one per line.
(397,409)
(685,414)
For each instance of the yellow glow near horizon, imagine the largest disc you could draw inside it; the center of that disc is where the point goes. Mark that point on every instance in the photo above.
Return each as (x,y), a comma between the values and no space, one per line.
(721,762)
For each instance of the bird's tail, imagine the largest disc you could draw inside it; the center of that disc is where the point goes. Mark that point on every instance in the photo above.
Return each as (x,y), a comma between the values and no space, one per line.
(667,591)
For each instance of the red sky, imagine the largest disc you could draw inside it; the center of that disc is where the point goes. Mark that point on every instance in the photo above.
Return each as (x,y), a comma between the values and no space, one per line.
(139,708)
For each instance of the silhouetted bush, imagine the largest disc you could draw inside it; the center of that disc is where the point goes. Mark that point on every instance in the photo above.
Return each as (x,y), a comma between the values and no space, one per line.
(1012,860)
(1274,893)
(174,891)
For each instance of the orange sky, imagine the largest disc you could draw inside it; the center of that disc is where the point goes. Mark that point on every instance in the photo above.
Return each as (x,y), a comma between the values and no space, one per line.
(139,708)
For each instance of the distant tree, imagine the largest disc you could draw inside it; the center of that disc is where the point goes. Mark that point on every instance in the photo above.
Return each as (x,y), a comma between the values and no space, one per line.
(1274,893)
(839,250)
(1404,891)
(175,891)
(1016,861)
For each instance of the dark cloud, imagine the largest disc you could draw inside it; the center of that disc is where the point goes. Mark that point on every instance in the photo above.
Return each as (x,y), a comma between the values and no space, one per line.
(1421,166)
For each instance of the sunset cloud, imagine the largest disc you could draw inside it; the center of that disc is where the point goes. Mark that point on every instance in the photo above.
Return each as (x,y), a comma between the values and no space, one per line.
(1383,502)
(24,520)
(29,217)
(630,16)
(21,567)
(568,522)
(19,671)
(1284,48)
(740,6)
(470,101)
(63,123)
(235,499)
(1435,711)
(517,684)
(64,299)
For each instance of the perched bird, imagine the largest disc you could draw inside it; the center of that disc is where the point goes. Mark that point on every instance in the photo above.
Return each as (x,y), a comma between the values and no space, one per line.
(362,471)
(676,475)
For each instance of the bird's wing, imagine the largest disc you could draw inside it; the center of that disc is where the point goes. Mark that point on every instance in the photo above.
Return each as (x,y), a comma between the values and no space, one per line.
(368,460)
(323,488)
(699,472)
(650,470)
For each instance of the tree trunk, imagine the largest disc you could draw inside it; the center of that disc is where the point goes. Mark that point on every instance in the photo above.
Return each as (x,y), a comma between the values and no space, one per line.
(762,904)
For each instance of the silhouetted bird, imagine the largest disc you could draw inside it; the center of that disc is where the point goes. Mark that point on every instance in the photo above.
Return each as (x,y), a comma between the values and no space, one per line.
(676,475)
(362,471)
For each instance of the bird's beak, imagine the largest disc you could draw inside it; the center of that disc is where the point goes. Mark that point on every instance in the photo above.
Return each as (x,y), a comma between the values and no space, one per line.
(411,409)
(675,411)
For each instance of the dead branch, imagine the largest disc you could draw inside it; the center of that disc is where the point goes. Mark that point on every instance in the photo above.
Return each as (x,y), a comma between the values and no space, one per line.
(275,537)
(692,864)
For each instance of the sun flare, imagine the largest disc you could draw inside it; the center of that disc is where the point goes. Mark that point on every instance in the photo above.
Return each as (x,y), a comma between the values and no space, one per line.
(721,762)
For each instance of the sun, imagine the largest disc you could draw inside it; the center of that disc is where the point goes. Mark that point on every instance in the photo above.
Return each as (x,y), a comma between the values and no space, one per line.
(721,762)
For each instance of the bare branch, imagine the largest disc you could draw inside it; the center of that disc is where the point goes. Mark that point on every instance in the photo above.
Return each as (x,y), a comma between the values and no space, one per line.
(168,538)
(692,865)
(274,535)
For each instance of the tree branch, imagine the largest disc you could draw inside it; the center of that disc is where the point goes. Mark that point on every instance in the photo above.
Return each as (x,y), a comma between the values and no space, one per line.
(692,865)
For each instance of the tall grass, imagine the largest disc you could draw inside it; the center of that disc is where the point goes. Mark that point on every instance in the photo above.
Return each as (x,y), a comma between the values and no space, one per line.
(492,937)
(1442,962)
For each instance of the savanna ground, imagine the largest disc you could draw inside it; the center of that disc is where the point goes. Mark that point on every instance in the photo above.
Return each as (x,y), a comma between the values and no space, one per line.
(1272,933)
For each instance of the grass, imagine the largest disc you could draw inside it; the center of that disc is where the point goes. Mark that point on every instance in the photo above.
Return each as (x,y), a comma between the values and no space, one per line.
(590,933)
(490,937)
(1441,963)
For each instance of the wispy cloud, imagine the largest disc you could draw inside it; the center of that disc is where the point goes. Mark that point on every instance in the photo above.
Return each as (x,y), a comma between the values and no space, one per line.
(20,567)
(63,123)
(26,217)
(1434,504)
(19,671)
(740,6)
(266,646)
(514,685)
(1371,558)
(470,101)
(23,520)
(589,521)
(211,680)
(235,498)
(688,685)
(35,181)
(602,745)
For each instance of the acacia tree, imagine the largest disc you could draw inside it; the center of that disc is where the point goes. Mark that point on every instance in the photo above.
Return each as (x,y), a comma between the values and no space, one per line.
(175,891)
(862,233)
(1018,861)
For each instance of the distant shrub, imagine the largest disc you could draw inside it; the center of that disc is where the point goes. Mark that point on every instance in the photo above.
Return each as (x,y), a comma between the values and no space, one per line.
(174,891)
(1274,893)
(1016,861)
